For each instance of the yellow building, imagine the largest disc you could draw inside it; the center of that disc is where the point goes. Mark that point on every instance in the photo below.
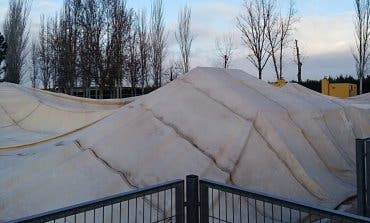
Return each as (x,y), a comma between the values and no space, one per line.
(340,90)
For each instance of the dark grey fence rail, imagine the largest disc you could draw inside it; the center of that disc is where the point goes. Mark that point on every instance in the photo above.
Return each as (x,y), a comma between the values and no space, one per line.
(159,203)
(206,201)
(363,176)
(225,203)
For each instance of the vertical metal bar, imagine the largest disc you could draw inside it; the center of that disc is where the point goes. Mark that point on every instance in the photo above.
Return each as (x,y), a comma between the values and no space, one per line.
(281,214)
(225,206)
(204,203)
(143,209)
(248,208)
(272,212)
(135,210)
(360,172)
(219,205)
(158,207)
(367,177)
(192,199)
(151,205)
(128,211)
(264,212)
(213,209)
(164,204)
(171,205)
(179,196)
(232,198)
(94,215)
(240,209)
(111,213)
(255,209)
(120,212)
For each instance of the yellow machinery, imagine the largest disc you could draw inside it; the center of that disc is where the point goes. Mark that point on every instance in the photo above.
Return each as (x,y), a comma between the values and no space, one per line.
(279,83)
(340,90)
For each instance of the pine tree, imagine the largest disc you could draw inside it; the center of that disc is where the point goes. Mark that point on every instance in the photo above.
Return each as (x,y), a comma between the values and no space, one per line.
(3,47)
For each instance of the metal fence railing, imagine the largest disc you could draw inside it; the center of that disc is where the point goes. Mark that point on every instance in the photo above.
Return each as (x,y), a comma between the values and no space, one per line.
(206,201)
(220,203)
(160,203)
(363,176)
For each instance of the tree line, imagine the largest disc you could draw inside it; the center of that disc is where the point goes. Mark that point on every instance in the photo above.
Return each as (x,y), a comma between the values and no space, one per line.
(316,84)
(267,32)
(100,43)
(106,44)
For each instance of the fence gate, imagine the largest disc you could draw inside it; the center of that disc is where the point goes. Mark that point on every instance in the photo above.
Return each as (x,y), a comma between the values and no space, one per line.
(363,178)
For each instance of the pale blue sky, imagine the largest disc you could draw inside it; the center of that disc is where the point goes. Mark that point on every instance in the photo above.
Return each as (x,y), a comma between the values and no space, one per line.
(325,32)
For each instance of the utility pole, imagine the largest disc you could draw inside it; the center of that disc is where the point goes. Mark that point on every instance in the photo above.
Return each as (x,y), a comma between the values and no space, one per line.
(226,59)
(299,63)
(171,73)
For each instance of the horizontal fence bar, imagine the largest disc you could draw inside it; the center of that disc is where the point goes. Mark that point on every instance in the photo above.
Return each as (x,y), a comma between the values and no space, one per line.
(100,203)
(280,201)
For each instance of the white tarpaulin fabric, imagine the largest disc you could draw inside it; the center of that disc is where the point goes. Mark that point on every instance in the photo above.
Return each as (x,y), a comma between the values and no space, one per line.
(220,124)
(28,116)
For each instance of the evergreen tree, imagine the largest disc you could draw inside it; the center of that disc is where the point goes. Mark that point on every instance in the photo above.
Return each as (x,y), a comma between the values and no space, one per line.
(3,48)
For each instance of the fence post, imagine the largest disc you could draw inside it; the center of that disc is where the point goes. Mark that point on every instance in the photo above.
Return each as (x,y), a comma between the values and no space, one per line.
(179,196)
(192,199)
(360,174)
(366,176)
(204,202)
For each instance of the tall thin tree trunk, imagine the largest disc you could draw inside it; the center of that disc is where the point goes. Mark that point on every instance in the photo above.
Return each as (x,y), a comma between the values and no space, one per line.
(275,63)
(299,63)
(281,60)
(260,69)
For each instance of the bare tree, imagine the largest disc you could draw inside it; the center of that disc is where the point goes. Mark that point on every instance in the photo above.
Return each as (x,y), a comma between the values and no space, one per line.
(121,25)
(34,75)
(17,34)
(44,54)
(158,41)
(136,57)
(68,45)
(52,46)
(225,49)
(253,23)
(362,30)
(91,22)
(184,37)
(279,29)
(144,47)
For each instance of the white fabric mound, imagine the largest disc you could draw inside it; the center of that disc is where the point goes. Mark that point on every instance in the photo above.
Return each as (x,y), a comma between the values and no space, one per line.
(28,116)
(219,124)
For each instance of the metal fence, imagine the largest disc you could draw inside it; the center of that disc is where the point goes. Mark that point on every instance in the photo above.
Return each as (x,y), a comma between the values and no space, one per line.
(206,201)
(160,203)
(363,176)
(224,203)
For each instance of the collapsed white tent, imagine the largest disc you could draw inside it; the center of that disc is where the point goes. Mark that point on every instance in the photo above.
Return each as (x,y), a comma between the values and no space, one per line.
(29,116)
(219,124)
